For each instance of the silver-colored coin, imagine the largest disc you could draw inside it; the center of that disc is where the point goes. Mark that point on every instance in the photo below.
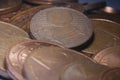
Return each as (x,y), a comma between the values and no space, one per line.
(106,34)
(62,25)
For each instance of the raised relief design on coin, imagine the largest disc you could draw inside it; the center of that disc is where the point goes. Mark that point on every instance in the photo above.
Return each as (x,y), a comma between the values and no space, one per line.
(62,25)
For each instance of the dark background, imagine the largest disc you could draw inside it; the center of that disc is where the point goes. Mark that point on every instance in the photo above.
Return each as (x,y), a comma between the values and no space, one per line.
(113,3)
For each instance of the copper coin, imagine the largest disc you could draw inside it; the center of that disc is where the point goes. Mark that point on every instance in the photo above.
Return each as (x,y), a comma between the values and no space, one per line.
(48,62)
(22,19)
(49,1)
(5,45)
(83,71)
(109,56)
(18,54)
(111,74)
(8,30)
(7,6)
(62,25)
(106,34)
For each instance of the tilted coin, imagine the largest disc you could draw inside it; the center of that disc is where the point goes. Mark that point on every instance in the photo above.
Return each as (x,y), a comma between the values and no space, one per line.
(48,62)
(106,34)
(62,25)
(109,56)
(9,30)
(83,71)
(49,1)
(7,6)
(5,45)
(22,19)
(111,74)
(18,54)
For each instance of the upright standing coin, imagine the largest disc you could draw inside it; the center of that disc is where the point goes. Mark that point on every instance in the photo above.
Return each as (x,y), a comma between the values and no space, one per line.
(18,54)
(62,25)
(7,6)
(111,74)
(109,57)
(49,61)
(9,30)
(106,34)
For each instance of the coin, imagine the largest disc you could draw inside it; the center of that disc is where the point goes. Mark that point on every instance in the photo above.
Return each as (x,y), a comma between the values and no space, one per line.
(83,71)
(8,30)
(106,34)
(111,74)
(7,6)
(109,57)
(49,1)
(62,25)
(5,45)
(18,54)
(48,62)
(22,19)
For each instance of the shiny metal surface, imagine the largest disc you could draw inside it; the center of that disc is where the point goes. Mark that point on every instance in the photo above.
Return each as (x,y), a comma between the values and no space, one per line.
(18,54)
(7,6)
(49,1)
(8,30)
(111,74)
(5,45)
(83,71)
(109,57)
(62,25)
(49,62)
(106,34)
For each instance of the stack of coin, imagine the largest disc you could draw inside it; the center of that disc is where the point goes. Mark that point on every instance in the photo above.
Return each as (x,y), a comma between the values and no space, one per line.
(35,60)
(62,25)
(7,6)
(10,35)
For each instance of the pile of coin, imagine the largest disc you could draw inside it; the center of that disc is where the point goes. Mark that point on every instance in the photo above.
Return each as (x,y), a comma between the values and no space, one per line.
(52,42)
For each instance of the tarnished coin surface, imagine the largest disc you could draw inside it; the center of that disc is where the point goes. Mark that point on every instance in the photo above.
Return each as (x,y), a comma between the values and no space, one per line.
(111,74)
(18,54)
(62,25)
(5,45)
(7,6)
(106,34)
(109,57)
(83,71)
(8,30)
(48,62)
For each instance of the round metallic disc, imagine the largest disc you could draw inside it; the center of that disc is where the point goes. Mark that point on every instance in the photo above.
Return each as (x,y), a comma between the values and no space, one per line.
(62,25)
(109,56)
(111,74)
(49,62)
(9,30)
(49,1)
(22,19)
(5,45)
(18,54)
(7,6)
(83,71)
(106,34)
